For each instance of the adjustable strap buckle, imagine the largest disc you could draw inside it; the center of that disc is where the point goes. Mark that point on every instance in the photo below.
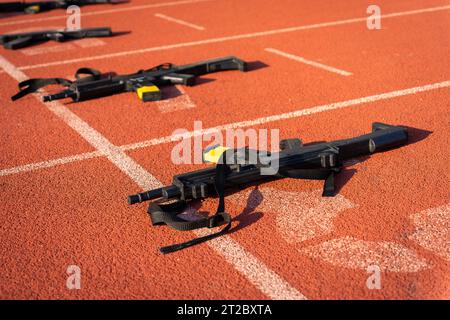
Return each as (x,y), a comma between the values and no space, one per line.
(214,221)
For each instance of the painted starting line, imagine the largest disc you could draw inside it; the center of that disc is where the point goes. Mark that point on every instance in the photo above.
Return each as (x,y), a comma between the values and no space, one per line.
(179,21)
(119,9)
(254,270)
(230,38)
(235,125)
(308,62)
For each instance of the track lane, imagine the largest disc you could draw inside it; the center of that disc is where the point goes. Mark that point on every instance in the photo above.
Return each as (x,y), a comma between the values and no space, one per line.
(30,133)
(56,218)
(311,275)
(383,190)
(266,280)
(55,15)
(408,65)
(187,36)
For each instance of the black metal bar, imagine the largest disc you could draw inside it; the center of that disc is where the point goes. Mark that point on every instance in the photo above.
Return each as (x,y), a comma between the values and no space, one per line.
(383,137)
(42,6)
(140,81)
(20,40)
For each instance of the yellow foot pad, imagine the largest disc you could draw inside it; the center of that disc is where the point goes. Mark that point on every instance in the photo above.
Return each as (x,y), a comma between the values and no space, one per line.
(149,93)
(212,155)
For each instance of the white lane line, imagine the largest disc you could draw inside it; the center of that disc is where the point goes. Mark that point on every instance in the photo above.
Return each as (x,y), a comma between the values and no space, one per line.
(118,9)
(242,124)
(353,253)
(93,137)
(89,42)
(309,62)
(288,115)
(61,47)
(50,163)
(228,38)
(270,283)
(182,22)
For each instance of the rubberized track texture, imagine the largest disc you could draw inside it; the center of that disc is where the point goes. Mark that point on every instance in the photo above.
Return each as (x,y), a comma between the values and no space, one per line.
(317,72)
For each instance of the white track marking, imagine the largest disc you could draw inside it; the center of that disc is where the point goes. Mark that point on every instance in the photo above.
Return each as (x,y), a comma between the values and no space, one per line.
(61,47)
(89,42)
(229,38)
(289,115)
(100,12)
(50,163)
(182,22)
(309,62)
(250,267)
(93,137)
(299,216)
(432,230)
(258,121)
(180,102)
(270,283)
(82,43)
(352,253)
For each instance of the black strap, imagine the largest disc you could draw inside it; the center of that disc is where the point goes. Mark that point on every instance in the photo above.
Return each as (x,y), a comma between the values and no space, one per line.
(94,73)
(168,214)
(326,174)
(32,85)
